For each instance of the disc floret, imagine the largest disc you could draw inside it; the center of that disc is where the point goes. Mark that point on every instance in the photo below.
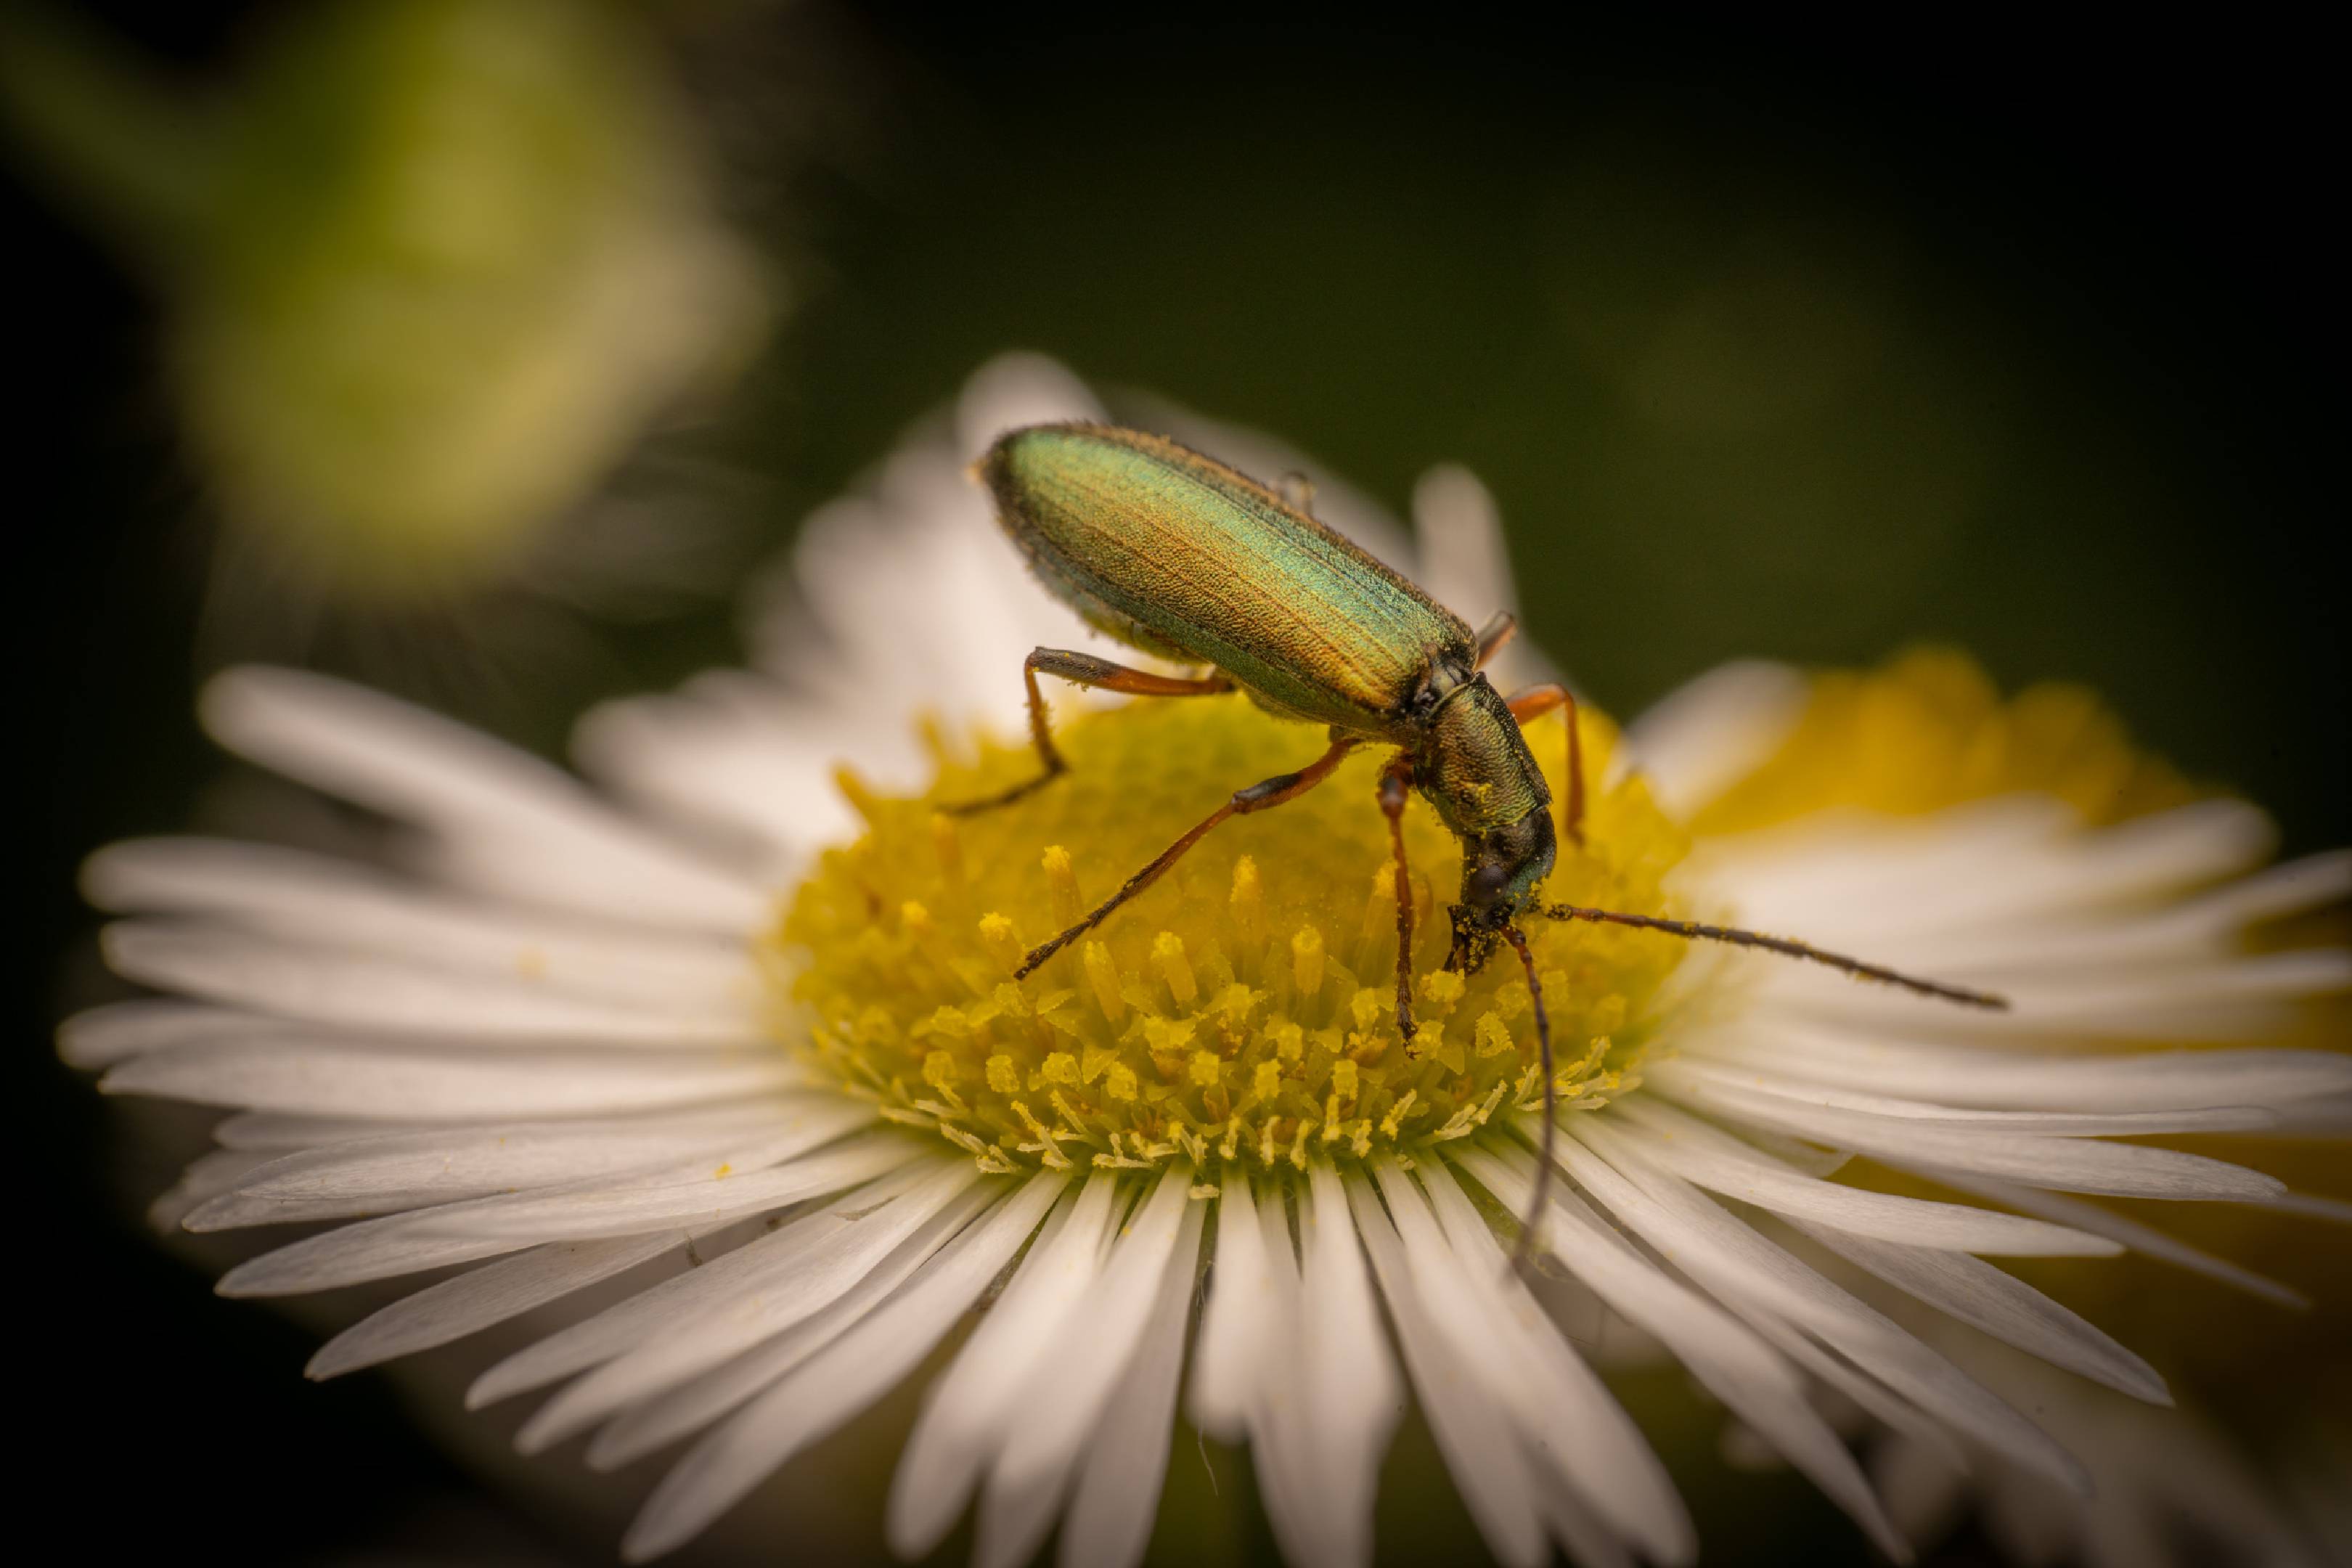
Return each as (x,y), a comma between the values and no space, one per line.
(1242,1009)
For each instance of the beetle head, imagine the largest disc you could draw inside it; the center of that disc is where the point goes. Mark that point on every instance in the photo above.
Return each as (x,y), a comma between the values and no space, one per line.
(1500,870)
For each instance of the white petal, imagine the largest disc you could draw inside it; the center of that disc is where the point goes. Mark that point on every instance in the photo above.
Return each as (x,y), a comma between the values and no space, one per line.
(2144,1239)
(100,1036)
(696,1403)
(1040,1453)
(486,1227)
(362,990)
(749,1186)
(1733,1363)
(409,1170)
(2012,1312)
(481,1296)
(1017,389)
(1353,1400)
(852,1372)
(2206,926)
(1282,1441)
(735,752)
(1796,1154)
(1910,1112)
(304,1073)
(1708,734)
(1304,1479)
(1569,1424)
(1985,864)
(762,1305)
(1589,1544)
(1481,1449)
(2289,887)
(1698,1153)
(625,1325)
(1844,866)
(2231,998)
(1731,1259)
(846,652)
(2148,856)
(967,1416)
(1119,1478)
(1840,1379)
(1236,1320)
(321,901)
(2321,1116)
(382,754)
(2071,1165)
(2012,1080)
(2311,1205)
(207,1177)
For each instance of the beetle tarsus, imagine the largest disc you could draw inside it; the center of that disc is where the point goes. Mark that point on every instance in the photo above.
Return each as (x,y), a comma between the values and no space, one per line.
(1006,798)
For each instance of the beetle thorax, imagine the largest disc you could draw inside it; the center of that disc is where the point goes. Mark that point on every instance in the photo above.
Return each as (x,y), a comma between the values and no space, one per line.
(1472,762)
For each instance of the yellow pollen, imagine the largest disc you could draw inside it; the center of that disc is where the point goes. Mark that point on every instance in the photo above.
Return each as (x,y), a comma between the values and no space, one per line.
(1241,1010)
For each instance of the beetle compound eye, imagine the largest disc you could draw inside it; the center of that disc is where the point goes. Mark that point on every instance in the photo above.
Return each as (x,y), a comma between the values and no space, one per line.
(1243,1008)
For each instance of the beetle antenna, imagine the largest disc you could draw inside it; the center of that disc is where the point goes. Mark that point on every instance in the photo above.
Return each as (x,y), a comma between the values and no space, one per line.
(1522,1253)
(1788,947)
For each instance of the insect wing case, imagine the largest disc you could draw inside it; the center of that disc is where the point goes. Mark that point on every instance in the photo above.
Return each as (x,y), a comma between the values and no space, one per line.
(1175,553)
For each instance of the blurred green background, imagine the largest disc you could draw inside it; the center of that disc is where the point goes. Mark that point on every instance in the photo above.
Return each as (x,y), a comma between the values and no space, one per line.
(1769,342)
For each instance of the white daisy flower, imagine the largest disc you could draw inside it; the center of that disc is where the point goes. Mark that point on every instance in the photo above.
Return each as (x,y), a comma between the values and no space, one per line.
(755,998)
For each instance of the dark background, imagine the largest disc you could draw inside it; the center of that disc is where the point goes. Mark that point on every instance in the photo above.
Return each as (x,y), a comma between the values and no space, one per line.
(2004,336)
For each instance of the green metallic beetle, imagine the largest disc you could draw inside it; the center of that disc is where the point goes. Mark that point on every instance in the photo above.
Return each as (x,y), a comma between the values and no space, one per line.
(1175,553)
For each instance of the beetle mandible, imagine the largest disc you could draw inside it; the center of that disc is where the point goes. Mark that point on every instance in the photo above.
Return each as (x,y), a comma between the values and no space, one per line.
(1174,554)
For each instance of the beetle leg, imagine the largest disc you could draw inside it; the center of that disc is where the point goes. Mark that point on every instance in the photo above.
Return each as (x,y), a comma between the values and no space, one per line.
(1081,670)
(1500,628)
(1550,1134)
(1263,795)
(1533,703)
(1396,784)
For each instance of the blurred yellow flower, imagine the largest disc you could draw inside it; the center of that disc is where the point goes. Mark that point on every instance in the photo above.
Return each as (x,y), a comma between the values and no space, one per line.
(432,268)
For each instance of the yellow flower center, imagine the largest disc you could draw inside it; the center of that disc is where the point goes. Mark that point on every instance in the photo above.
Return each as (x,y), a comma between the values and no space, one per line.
(1929,731)
(1242,1008)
